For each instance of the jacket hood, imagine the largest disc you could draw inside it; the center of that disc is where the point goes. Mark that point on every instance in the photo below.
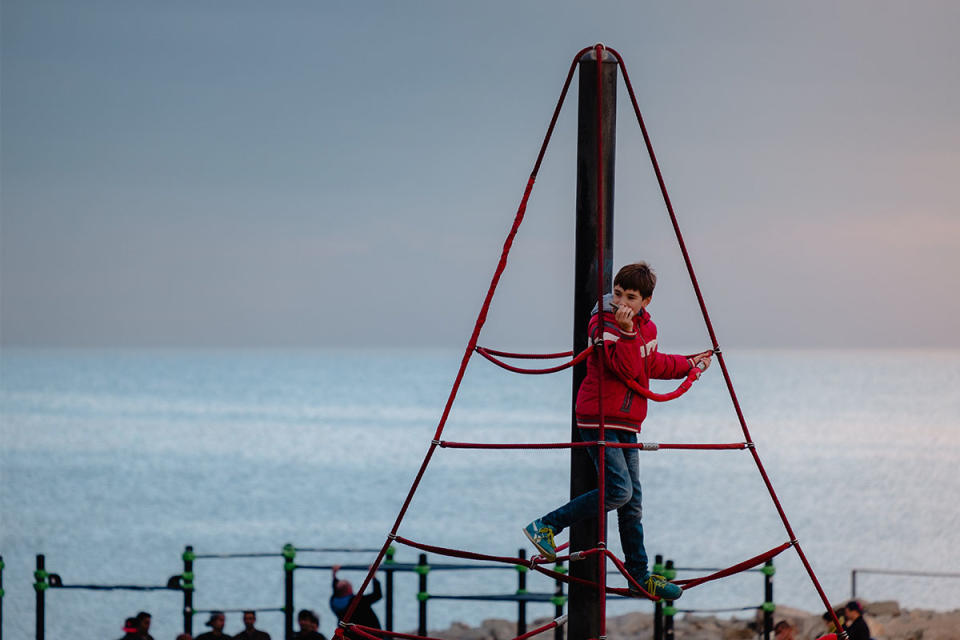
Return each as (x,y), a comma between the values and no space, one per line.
(608,308)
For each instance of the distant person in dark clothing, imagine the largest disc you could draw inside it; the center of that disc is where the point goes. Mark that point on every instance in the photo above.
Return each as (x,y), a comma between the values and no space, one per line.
(184,636)
(343,595)
(309,626)
(855,626)
(130,629)
(216,622)
(249,631)
(143,624)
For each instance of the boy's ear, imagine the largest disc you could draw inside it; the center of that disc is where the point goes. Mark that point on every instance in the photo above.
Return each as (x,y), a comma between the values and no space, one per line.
(646,301)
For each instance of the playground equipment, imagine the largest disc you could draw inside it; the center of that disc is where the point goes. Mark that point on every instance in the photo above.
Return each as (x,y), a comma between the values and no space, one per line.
(594,222)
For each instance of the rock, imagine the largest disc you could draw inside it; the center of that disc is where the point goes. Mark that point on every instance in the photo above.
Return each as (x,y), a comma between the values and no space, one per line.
(885,619)
(883,608)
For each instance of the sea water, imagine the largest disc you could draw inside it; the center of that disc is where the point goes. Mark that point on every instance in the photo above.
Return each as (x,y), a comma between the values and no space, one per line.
(112,461)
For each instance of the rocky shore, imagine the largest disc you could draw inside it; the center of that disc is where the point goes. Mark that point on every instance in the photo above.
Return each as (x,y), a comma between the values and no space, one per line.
(887,621)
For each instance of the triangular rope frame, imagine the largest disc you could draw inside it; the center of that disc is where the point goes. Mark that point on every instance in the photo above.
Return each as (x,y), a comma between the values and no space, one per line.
(600,552)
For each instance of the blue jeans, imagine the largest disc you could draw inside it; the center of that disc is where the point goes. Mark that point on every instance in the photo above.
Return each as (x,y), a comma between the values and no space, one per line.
(622,492)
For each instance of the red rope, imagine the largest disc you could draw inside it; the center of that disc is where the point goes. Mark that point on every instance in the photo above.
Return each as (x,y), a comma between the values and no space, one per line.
(645,446)
(373,632)
(536,445)
(659,397)
(655,446)
(359,631)
(533,563)
(626,574)
(486,353)
(737,568)
(527,356)
(529,634)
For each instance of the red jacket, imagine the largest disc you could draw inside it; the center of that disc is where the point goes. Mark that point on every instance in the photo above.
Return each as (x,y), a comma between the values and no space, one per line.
(635,356)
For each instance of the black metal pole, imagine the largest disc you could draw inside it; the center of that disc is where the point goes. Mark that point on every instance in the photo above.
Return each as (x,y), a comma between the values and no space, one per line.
(585,606)
(558,603)
(658,605)
(768,606)
(289,554)
(389,601)
(521,590)
(669,610)
(188,557)
(422,594)
(40,584)
(1,597)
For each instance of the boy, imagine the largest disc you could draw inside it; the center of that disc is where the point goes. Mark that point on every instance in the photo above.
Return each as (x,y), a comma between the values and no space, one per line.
(629,340)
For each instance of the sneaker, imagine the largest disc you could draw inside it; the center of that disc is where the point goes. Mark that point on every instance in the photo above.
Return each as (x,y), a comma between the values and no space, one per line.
(541,536)
(657,585)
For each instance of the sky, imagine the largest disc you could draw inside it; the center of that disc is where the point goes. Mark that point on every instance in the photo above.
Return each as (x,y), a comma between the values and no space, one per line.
(310,174)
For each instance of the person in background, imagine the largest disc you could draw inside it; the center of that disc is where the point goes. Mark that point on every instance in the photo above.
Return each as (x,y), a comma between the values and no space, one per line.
(216,622)
(184,636)
(343,595)
(855,626)
(130,629)
(309,626)
(143,624)
(249,631)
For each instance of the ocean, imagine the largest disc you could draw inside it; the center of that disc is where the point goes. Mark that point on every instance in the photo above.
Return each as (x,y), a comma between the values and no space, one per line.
(111,461)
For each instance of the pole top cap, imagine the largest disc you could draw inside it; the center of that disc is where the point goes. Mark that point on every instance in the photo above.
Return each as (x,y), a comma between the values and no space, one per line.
(591,55)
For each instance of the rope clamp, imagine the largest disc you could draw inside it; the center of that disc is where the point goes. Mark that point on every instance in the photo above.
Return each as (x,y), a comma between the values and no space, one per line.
(438,443)
(794,542)
(750,445)
(345,625)
(533,562)
(561,620)
(392,536)
(601,545)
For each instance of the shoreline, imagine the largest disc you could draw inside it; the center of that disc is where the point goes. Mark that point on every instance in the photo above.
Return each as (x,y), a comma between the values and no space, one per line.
(887,621)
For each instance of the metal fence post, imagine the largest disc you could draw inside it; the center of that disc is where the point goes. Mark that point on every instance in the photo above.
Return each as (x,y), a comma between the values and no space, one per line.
(187,581)
(669,611)
(559,599)
(289,554)
(768,606)
(423,595)
(521,591)
(40,585)
(658,605)
(389,600)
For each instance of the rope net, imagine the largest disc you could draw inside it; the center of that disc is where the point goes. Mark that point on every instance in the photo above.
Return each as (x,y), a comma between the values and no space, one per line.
(599,552)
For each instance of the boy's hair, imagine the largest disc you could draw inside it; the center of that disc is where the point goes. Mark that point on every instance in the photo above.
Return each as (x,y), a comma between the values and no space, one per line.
(637,276)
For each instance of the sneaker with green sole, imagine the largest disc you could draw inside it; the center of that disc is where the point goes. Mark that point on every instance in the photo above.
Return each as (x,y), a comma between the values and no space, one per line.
(541,535)
(657,585)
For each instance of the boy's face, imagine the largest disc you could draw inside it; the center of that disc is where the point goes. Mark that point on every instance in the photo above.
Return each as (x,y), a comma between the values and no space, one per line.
(630,298)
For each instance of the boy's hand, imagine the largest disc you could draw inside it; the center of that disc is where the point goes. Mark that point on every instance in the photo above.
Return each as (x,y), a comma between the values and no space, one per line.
(702,360)
(624,317)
